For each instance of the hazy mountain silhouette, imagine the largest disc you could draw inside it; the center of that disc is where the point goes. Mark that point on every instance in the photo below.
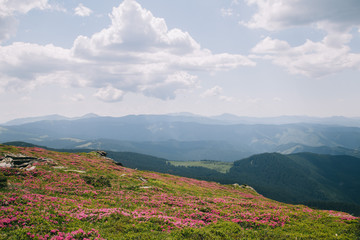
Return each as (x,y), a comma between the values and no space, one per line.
(185,136)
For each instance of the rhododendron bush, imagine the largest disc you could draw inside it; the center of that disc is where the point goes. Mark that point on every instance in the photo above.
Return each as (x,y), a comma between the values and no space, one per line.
(86,196)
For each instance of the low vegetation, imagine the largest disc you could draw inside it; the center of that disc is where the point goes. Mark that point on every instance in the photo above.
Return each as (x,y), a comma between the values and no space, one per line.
(85,196)
(222,167)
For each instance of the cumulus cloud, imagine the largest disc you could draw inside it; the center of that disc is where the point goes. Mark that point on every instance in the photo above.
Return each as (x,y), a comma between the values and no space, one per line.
(9,8)
(173,83)
(136,53)
(314,59)
(30,65)
(280,14)
(143,55)
(109,94)
(269,45)
(216,92)
(82,11)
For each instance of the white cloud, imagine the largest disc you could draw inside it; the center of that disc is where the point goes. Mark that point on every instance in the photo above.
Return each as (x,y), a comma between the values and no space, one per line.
(109,94)
(136,53)
(314,59)
(269,45)
(280,14)
(26,66)
(216,92)
(82,11)
(168,88)
(213,92)
(9,8)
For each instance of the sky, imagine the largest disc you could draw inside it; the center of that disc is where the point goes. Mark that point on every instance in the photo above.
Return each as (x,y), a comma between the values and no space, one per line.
(245,57)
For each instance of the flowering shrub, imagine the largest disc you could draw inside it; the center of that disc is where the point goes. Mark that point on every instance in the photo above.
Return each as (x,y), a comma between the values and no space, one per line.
(85,196)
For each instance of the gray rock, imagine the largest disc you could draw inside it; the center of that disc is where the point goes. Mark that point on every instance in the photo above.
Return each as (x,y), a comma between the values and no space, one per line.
(22,161)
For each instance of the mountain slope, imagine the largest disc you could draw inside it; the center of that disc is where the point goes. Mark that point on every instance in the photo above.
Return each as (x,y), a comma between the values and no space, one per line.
(322,181)
(336,150)
(340,171)
(78,196)
(302,177)
(275,174)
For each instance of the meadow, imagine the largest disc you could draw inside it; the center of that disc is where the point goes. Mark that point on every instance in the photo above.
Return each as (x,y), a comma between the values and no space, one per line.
(222,167)
(86,196)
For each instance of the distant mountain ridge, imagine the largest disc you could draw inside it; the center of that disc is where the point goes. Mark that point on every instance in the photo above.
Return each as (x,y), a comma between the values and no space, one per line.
(54,117)
(225,118)
(186,136)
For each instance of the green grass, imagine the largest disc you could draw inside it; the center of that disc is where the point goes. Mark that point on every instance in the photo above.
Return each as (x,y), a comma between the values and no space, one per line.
(101,200)
(222,167)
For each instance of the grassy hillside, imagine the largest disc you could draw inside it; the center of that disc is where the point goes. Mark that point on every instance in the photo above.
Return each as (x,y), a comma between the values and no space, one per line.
(85,196)
(316,180)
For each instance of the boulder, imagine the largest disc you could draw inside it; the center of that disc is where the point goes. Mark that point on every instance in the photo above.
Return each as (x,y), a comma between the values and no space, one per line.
(22,161)
(102,153)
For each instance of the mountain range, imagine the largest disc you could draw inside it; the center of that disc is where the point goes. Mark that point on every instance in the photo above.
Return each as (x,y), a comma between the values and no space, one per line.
(190,137)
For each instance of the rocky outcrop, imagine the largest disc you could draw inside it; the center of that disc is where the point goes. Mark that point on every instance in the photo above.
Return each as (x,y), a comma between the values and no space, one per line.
(119,164)
(23,161)
(103,154)
(245,186)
